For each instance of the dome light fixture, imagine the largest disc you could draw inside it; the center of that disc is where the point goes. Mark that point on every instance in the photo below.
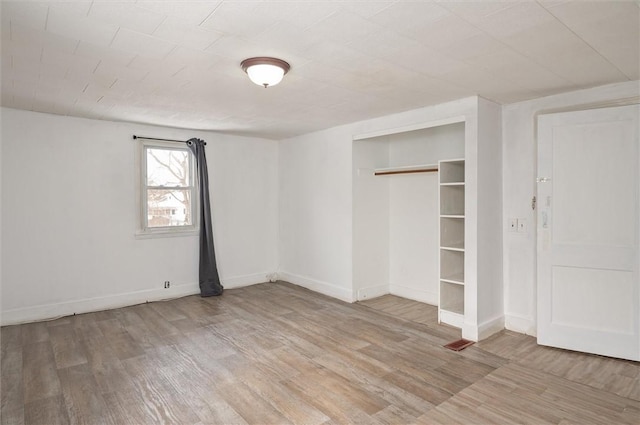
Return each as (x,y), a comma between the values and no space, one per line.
(265,71)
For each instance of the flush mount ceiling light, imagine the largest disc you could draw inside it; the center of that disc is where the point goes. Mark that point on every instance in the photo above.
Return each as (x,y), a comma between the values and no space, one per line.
(265,71)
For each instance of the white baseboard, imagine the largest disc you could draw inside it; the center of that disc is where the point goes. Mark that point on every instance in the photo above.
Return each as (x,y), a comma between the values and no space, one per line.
(88,305)
(521,324)
(490,327)
(414,294)
(483,330)
(318,286)
(372,292)
(245,280)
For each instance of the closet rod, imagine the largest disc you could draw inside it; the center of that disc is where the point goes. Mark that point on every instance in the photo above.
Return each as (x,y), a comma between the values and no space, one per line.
(385,173)
(161,140)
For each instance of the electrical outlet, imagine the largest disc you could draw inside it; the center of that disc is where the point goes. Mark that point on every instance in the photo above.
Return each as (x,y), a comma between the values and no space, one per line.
(167,284)
(512,225)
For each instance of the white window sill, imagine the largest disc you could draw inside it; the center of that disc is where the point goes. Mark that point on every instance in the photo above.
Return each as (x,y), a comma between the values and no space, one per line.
(168,233)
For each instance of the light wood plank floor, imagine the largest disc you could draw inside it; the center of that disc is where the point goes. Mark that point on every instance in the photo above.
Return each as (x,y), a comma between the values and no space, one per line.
(279,354)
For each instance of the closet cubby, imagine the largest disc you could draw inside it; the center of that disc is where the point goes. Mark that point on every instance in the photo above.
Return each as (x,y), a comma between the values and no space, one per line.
(452,298)
(452,233)
(452,200)
(452,172)
(452,266)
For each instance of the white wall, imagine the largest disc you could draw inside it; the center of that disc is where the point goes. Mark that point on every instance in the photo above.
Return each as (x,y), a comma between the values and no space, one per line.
(414,234)
(315,212)
(519,173)
(69,216)
(370,219)
(490,296)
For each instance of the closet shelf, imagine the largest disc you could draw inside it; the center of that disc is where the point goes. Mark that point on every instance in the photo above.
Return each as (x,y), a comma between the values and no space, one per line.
(458,279)
(407,169)
(453,248)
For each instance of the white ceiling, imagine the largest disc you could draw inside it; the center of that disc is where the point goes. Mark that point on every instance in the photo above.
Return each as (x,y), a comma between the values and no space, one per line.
(177,63)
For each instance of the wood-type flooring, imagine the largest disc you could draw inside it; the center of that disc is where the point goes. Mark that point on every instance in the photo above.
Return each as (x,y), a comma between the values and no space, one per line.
(276,353)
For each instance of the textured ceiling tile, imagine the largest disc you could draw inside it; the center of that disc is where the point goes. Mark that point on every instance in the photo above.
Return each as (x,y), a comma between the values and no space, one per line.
(184,34)
(27,36)
(93,92)
(581,13)
(287,36)
(302,13)
(126,15)
(7,100)
(476,10)
(189,11)
(350,60)
(20,50)
(58,44)
(22,100)
(366,9)
(142,44)
(192,58)
(567,56)
(112,72)
(123,89)
(21,13)
(445,32)
(84,64)
(72,84)
(520,16)
(240,19)
(234,47)
(488,86)
(475,48)
(613,29)
(528,74)
(105,54)
(54,75)
(156,66)
(335,76)
(47,91)
(22,87)
(74,26)
(409,16)
(406,52)
(343,27)
(79,8)
(24,68)
(342,56)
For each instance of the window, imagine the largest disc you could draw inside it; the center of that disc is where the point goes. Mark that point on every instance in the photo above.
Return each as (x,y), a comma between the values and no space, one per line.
(168,192)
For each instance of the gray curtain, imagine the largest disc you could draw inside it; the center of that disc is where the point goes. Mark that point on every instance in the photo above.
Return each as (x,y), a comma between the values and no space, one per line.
(208,273)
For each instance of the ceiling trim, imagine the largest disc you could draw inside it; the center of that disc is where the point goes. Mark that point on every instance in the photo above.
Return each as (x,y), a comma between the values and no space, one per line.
(412,127)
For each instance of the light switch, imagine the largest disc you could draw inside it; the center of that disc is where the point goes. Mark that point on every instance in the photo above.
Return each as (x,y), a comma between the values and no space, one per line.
(522,225)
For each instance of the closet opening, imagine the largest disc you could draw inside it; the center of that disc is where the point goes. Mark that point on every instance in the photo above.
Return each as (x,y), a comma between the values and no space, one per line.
(409,222)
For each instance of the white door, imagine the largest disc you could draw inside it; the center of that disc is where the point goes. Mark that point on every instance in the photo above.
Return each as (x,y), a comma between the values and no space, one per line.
(588,230)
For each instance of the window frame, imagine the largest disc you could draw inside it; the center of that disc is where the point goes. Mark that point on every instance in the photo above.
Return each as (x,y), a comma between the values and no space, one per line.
(144,230)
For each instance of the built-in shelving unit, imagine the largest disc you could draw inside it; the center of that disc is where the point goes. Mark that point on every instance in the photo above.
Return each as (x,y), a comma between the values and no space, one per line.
(452,251)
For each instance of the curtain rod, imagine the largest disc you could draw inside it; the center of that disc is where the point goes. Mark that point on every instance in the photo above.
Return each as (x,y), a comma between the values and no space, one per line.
(162,140)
